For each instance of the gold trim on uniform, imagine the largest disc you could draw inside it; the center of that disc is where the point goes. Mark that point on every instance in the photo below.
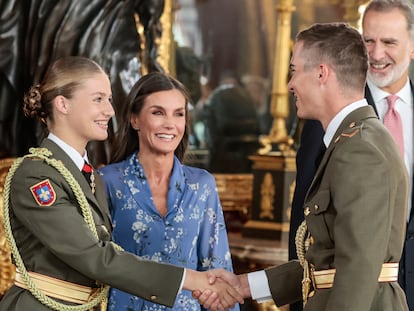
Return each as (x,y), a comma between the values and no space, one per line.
(324,278)
(56,288)
(352,134)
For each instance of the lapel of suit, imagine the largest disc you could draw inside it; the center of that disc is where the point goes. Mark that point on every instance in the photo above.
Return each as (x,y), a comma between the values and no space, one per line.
(97,201)
(412,181)
(370,99)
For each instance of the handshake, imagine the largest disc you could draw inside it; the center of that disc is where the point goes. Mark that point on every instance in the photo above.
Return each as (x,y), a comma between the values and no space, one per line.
(218,289)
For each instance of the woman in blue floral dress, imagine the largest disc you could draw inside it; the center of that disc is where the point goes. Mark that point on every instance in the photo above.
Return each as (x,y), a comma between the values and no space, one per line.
(161,209)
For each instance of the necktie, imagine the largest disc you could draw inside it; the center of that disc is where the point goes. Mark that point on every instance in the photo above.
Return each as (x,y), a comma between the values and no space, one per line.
(392,121)
(87,171)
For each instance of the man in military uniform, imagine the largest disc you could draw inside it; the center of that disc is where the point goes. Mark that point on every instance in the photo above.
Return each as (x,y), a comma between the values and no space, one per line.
(388,32)
(351,241)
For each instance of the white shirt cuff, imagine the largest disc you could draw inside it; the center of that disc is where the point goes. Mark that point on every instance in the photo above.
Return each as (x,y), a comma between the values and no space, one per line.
(182,280)
(259,286)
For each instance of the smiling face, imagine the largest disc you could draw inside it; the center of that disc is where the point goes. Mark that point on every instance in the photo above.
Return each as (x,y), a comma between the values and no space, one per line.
(303,83)
(85,115)
(390,48)
(161,122)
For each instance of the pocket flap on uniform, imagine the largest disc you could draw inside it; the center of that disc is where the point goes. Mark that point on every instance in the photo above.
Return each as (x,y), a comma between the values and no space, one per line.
(318,203)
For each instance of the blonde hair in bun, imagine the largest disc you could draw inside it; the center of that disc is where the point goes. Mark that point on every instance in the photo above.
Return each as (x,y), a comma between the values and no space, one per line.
(63,78)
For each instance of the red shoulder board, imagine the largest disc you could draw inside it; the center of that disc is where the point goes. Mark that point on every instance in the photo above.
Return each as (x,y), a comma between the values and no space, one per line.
(44,193)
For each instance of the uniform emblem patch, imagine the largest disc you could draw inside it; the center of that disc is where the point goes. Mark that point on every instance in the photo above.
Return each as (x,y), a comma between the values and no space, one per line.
(44,193)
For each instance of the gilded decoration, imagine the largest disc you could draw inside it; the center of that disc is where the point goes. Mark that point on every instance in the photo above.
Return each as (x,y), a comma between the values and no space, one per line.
(7,269)
(267,192)
(166,53)
(235,191)
(291,192)
(142,43)
(280,99)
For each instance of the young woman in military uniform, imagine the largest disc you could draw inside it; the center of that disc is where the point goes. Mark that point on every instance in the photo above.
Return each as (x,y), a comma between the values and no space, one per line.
(57,221)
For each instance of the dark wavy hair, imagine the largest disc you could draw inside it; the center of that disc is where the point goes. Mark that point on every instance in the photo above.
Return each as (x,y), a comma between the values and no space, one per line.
(126,140)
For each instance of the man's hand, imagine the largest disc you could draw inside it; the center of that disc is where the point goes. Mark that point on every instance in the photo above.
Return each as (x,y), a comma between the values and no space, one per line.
(240,283)
(219,295)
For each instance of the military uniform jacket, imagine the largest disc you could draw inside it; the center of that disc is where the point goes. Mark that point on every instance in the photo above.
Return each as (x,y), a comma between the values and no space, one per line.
(56,241)
(355,211)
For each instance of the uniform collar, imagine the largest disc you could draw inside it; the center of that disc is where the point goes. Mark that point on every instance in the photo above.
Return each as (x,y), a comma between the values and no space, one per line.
(70,151)
(340,116)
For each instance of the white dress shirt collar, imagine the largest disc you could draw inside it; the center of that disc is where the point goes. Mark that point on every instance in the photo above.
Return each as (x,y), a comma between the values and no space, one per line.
(71,152)
(377,94)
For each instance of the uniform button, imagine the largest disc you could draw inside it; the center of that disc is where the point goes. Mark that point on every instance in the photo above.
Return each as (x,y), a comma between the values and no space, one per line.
(316,207)
(307,211)
(352,125)
(153,297)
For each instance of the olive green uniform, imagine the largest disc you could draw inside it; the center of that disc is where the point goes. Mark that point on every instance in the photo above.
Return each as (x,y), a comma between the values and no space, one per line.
(355,211)
(55,240)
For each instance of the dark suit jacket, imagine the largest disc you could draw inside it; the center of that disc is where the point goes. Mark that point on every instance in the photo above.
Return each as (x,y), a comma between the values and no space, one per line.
(357,223)
(307,160)
(56,241)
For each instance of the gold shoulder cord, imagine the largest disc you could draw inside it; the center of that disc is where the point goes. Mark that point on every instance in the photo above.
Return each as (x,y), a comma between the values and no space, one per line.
(302,244)
(44,154)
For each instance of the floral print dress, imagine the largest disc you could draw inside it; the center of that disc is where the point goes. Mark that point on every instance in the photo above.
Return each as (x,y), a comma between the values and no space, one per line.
(192,234)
